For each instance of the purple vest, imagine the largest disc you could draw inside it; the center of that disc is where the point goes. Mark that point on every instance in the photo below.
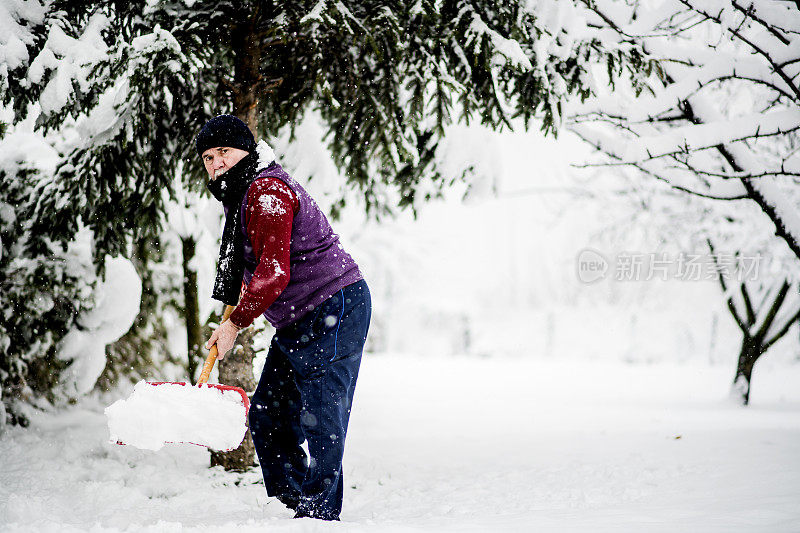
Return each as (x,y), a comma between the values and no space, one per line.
(318,265)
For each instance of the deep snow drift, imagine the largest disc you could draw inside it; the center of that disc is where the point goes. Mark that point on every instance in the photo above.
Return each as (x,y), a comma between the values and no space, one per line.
(457,444)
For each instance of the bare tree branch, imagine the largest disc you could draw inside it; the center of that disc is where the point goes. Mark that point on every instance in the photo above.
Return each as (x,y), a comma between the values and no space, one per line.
(648,172)
(731,304)
(748,304)
(750,12)
(772,313)
(758,49)
(783,330)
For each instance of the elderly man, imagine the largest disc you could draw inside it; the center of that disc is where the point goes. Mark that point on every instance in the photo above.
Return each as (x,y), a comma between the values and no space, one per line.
(280,254)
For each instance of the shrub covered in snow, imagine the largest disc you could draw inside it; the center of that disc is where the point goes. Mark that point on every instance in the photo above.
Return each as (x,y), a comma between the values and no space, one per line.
(58,315)
(45,284)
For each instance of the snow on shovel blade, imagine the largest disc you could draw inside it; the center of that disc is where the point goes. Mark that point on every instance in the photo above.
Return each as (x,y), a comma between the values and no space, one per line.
(161,412)
(173,412)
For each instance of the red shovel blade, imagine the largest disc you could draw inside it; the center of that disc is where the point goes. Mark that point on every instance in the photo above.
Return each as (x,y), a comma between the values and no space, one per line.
(224,423)
(242,393)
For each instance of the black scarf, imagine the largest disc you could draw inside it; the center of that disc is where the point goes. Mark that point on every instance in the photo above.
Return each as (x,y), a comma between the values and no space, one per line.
(230,189)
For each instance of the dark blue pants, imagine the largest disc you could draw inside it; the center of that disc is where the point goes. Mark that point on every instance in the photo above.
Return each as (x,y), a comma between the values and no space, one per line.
(304,394)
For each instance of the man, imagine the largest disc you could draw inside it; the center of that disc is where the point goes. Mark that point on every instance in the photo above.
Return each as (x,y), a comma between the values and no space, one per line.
(279,245)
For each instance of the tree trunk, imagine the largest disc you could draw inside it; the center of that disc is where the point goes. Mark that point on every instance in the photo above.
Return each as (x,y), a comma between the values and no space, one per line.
(246,74)
(237,367)
(237,370)
(740,390)
(758,333)
(191,308)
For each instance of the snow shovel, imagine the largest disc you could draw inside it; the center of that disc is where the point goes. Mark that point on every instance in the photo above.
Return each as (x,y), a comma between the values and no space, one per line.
(160,412)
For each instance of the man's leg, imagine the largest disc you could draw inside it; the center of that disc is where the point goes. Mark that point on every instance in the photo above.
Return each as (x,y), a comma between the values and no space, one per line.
(275,426)
(325,415)
(325,350)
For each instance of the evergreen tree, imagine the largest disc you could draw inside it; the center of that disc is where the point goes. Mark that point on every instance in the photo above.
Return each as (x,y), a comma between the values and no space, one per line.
(386,76)
(125,87)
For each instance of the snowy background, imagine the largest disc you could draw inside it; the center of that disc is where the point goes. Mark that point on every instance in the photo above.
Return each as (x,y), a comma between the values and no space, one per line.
(499,393)
(504,387)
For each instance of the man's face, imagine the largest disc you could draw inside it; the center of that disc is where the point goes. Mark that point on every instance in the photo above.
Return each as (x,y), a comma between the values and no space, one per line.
(219,160)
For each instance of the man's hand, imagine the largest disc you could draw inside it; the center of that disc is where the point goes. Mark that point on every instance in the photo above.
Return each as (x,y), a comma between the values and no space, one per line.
(224,337)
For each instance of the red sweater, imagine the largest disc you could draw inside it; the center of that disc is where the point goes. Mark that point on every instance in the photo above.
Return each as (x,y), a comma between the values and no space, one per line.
(271,206)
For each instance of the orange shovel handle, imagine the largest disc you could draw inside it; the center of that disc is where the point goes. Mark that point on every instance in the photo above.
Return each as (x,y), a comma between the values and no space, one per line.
(212,354)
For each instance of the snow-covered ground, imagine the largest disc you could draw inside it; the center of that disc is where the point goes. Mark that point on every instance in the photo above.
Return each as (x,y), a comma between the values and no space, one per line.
(457,444)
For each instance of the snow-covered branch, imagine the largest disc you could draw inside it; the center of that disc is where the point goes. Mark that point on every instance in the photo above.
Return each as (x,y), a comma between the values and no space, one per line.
(723,110)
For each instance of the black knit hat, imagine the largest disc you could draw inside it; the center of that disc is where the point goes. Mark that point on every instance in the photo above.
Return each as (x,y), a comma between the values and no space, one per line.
(225,130)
